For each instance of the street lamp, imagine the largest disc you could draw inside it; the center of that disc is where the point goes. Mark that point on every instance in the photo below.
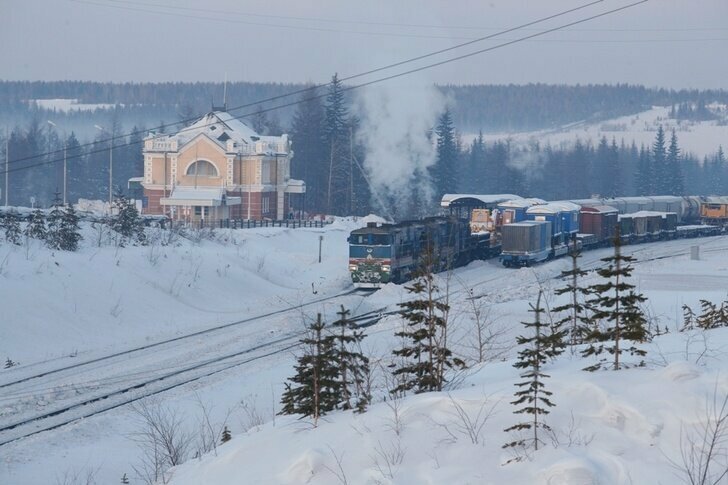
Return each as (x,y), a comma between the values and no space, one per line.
(65,165)
(111,165)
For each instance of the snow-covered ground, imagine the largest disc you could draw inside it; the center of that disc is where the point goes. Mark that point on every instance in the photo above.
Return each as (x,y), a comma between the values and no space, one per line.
(67,104)
(697,137)
(60,308)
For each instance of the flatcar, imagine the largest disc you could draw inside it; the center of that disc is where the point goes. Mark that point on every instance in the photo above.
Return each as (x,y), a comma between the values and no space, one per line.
(383,253)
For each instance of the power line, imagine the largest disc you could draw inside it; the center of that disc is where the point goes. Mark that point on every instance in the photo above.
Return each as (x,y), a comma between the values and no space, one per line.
(393,76)
(379,23)
(343,79)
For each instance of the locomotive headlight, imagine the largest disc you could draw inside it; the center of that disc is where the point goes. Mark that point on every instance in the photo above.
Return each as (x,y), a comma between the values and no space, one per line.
(386,268)
(353,267)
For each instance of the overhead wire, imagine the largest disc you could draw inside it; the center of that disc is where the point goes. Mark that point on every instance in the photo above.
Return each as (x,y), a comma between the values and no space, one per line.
(318,86)
(368,83)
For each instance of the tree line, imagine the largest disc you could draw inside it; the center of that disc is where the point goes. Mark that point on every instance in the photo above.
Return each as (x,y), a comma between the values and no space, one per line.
(331,159)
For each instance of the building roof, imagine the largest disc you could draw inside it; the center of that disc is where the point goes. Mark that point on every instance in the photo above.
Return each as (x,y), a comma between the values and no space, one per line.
(199,196)
(228,132)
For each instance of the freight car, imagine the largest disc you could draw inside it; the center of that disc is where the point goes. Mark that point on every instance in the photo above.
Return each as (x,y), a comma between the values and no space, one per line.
(383,253)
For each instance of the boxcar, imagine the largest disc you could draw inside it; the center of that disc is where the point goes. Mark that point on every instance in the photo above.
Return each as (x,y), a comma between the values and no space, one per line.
(599,220)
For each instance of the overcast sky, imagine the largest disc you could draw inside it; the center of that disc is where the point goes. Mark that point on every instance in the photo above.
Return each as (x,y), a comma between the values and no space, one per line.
(670,43)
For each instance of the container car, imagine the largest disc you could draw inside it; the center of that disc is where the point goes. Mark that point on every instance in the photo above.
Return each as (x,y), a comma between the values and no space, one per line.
(525,243)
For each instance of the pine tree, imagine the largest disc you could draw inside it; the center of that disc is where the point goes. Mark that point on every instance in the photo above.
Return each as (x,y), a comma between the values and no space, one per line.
(126,221)
(226,436)
(124,479)
(310,162)
(644,179)
(532,392)
(69,230)
(314,392)
(477,170)
(353,366)
(575,310)
(444,172)
(660,170)
(675,173)
(616,311)
(426,357)
(12,227)
(36,227)
(336,132)
(55,221)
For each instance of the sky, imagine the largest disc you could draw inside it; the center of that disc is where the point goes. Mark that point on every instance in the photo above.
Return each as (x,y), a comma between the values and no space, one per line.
(666,43)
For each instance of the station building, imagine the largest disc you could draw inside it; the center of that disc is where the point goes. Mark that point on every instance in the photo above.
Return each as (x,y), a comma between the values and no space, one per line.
(219,168)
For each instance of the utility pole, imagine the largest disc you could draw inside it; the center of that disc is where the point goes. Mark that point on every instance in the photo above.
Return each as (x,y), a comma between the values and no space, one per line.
(7,163)
(111,165)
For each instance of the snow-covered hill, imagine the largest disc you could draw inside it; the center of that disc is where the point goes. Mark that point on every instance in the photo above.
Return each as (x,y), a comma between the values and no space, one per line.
(609,427)
(699,138)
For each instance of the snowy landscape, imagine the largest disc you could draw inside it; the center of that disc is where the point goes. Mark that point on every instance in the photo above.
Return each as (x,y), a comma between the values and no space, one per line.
(607,427)
(363,243)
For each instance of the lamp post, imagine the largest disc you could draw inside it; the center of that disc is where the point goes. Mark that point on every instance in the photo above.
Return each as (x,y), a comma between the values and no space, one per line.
(65,163)
(111,165)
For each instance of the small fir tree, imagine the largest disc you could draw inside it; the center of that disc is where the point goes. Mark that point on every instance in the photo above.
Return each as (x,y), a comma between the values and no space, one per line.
(575,311)
(126,221)
(11,224)
(69,229)
(226,435)
(353,366)
(55,218)
(616,312)
(532,393)
(9,363)
(37,226)
(313,394)
(124,479)
(426,357)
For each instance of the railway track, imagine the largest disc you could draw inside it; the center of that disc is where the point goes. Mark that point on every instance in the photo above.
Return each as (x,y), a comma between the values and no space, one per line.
(132,387)
(81,400)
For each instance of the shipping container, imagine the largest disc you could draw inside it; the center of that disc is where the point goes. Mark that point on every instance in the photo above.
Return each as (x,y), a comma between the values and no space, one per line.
(525,242)
(600,220)
(515,210)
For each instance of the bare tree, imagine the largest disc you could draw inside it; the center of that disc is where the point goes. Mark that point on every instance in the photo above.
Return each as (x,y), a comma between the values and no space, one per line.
(704,446)
(467,423)
(161,438)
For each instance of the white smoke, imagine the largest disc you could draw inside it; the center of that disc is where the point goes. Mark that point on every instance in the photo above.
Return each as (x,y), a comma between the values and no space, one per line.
(396,117)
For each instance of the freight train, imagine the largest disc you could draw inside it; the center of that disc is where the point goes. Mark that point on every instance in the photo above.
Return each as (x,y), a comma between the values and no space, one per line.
(523,231)
(383,253)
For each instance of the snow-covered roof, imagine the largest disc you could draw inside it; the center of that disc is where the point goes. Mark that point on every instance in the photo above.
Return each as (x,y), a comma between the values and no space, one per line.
(602,209)
(521,203)
(649,214)
(450,199)
(194,196)
(553,208)
(225,130)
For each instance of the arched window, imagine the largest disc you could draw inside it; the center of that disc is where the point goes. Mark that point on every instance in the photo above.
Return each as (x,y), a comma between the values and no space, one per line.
(202,168)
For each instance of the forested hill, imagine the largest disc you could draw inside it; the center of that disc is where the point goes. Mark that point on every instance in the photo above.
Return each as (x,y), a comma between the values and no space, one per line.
(474,107)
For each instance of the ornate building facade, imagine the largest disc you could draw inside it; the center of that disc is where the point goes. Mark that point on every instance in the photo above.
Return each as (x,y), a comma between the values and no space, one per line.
(219,168)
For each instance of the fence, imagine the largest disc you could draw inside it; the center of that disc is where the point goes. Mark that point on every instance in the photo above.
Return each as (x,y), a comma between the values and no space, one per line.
(249,223)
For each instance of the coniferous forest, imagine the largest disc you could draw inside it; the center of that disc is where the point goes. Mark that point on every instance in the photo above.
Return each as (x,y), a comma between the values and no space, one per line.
(329,155)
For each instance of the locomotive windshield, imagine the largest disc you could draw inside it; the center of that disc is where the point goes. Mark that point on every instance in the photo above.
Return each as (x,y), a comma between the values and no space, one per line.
(371,239)
(374,245)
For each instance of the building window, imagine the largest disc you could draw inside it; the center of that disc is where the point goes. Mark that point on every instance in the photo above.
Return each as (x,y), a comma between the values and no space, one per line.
(266,205)
(202,168)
